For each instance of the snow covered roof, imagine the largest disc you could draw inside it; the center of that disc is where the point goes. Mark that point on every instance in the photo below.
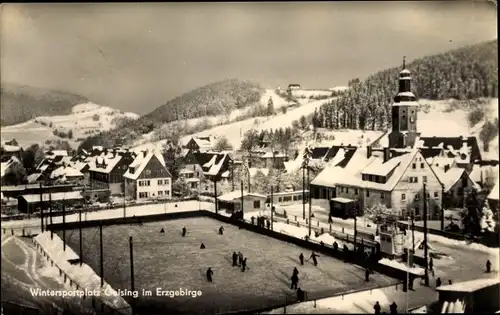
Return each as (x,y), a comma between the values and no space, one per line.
(70,195)
(405,71)
(408,94)
(450,177)
(4,166)
(237,194)
(140,163)
(215,164)
(343,200)
(495,192)
(104,163)
(57,153)
(401,266)
(470,286)
(33,177)
(355,179)
(377,166)
(332,174)
(65,171)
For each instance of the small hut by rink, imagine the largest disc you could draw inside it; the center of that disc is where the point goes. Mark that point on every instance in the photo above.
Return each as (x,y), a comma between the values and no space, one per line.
(32,202)
(232,202)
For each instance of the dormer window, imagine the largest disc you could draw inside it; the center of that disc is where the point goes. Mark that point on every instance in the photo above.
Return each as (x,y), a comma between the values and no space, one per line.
(131,170)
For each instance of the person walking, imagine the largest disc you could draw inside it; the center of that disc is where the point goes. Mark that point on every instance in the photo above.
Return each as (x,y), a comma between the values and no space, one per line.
(240,258)
(202,246)
(184,231)
(210,273)
(431,266)
(235,259)
(162,230)
(438,282)
(221,230)
(377,307)
(301,258)
(295,271)
(393,308)
(367,275)
(488,266)
(244,265)
(295,281)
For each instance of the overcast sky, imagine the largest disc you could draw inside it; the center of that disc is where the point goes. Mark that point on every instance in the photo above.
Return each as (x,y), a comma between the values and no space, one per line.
(136,56)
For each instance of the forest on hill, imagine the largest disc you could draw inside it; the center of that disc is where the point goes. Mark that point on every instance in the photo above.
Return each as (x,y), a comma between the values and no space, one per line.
(210,100)
(20,103)
(463,74)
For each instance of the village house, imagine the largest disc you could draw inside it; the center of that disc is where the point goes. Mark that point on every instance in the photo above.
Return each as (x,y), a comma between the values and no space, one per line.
(201,144)
(147,177)
(11,148)
(11,170)
(30,203)
(67,175)
(395,179)
(106,170)
(199,166)
(456,180)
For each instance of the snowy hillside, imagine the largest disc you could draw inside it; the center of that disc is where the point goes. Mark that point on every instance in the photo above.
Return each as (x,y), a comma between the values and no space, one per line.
(84,120)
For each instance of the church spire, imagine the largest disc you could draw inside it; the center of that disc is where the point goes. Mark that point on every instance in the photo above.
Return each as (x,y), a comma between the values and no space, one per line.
(404,62)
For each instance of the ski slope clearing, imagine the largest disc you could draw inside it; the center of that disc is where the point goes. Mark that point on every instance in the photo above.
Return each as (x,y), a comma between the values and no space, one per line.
(235,131)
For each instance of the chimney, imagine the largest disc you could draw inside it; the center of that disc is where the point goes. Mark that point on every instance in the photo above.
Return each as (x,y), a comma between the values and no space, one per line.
(446,168)
(387,154)
(144,153)
(368,152)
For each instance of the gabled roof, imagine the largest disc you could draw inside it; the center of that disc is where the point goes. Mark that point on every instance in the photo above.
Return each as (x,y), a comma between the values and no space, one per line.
(4,166)
(431,152)
(450,177)
(216,164)
(140,163)
(319,152)
(402,161)
(455,143)
(65,172)
(33,177)
(70,195)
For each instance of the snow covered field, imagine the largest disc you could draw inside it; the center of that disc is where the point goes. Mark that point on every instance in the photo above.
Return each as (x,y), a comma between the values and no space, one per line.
(85,120)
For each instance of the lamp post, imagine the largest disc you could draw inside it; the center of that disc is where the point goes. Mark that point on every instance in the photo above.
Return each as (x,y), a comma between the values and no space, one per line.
(426,250)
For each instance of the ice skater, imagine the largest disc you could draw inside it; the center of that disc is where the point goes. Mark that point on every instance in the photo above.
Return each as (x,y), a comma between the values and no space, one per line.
(301,258)
(431,266)
(438,282)
(295,281)
(244,265)
(202,246)
(295,271)
(162,230)
(184,231)
(393,308)
(221,230)
(240,258)
(313,256)
(367,275)
(301,295)
(235,259)
(488,266)
(210,273)
(377,307)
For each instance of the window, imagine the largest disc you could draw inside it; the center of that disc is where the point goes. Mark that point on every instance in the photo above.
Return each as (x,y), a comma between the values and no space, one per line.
(341,189)
(143,195)
(346,190)
(166,181)
(403,196)
(367,193)
(147,172)
(382,195)
(436,194)
(167,192)
(280,199)
(414,166)
(355,191)
(417,211)
(422,165)
(424,179)
(294,198)
(413,179)
(256,204)
(160,193)
(417,197)
(160,182)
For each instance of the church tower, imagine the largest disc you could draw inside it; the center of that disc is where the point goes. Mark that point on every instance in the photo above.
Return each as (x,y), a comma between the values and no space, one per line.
(404,113)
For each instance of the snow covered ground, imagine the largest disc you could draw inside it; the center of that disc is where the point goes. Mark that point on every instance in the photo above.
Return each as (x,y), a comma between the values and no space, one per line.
(85,120)
(82,275)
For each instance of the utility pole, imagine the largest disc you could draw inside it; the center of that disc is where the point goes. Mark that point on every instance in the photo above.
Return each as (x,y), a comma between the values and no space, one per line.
(426,251)
(303,193)
(50,216)
(132,283)
(232,175)
(355,226)
(80,235)
(442,207)
(272,206)
(309,199)
(101,256)
(64,225)
(412,236)
(215,192)
(241,182)
(124,198)
(41,207)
